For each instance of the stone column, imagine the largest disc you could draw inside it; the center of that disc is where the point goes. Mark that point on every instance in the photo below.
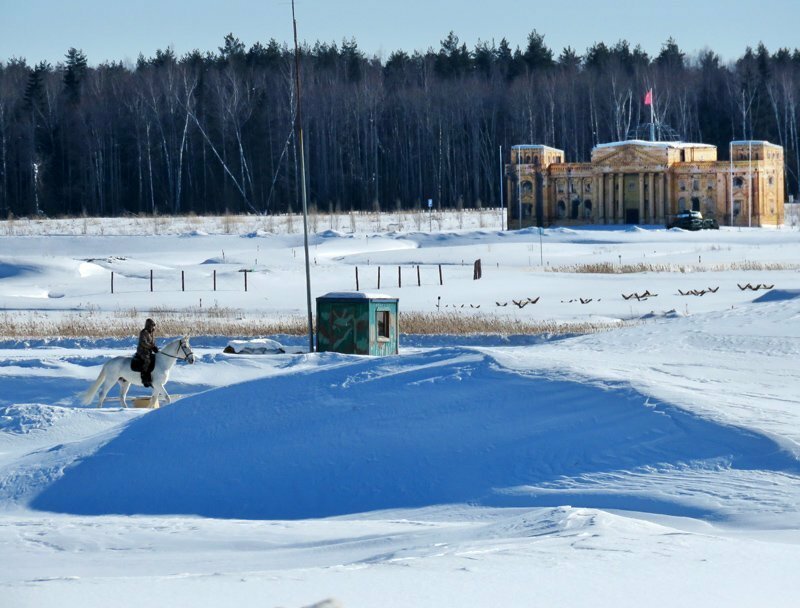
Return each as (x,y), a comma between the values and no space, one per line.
(651,196)
(667,195)
(601,199)
(620,197)
(615,198)
(641,198)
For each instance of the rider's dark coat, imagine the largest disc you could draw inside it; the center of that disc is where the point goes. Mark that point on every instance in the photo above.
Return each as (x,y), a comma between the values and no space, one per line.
(147,345)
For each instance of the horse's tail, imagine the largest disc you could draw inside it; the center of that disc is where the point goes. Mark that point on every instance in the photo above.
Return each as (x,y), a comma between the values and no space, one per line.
(88,396)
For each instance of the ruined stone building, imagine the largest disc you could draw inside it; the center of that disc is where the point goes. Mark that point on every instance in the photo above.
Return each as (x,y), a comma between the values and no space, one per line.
(646,182)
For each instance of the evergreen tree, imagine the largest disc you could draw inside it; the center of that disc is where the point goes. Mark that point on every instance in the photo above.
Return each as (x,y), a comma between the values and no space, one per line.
(537,55)
(74,72)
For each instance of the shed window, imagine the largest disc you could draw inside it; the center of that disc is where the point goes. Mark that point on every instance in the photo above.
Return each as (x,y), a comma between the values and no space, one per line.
(382,322)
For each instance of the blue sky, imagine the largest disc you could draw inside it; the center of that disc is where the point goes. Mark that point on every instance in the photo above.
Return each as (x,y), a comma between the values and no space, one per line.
(108,30)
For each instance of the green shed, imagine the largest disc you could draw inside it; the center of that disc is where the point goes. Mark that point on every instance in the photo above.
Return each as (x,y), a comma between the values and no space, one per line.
(357,323)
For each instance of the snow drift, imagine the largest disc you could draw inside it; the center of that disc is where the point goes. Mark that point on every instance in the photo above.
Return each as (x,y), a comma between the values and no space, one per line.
(443,426)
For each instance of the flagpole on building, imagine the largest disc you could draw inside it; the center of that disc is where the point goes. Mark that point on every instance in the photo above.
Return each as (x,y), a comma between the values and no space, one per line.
(648,101)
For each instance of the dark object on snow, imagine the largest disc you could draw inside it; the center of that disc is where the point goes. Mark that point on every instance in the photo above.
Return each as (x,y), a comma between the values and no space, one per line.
(260,346)
(693,220)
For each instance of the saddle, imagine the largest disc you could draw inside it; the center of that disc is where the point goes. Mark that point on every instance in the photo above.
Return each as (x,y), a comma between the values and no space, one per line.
(137,364)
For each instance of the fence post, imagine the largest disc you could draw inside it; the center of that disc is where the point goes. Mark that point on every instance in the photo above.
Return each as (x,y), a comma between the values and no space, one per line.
(419,282)
(245,280)
(441,282)
(151,279)
(112,281)
(379,277)
(399,277)
(183,282)
(356,278)
(215,280)
(476,270)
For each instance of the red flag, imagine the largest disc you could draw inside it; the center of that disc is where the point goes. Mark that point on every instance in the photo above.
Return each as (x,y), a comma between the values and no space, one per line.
(648,98)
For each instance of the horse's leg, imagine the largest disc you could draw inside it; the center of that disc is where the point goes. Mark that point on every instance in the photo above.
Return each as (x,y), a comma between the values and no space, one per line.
(166,394)
(124,385)
(157,388)
(104,391)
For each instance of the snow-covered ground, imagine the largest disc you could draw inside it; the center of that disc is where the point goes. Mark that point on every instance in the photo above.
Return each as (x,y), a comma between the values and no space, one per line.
(654,464)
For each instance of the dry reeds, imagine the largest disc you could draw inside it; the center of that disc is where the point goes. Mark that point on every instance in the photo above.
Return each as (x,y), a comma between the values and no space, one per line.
(451,323)
(641,267)
(209,322)
(217,321)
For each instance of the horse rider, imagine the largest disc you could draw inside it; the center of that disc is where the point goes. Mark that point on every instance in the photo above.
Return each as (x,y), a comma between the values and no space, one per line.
(146,349)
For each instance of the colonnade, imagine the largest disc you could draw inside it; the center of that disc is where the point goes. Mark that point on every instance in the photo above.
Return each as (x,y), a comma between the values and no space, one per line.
(653,205)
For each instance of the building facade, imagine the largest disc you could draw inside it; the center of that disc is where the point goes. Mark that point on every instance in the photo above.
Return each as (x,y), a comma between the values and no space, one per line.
(645,182)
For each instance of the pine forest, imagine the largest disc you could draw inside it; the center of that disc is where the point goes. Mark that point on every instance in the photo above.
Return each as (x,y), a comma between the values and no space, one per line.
(210,132)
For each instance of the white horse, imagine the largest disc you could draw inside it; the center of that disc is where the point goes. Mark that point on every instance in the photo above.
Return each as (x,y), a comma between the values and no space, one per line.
(119,370)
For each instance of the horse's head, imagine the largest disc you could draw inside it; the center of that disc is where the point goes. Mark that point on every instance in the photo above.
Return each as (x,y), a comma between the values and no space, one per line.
(184,347)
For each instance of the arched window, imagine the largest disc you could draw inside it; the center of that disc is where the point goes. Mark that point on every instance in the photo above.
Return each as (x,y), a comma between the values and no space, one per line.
(562,210)
(527,187)
(738,182)
(587,209)
(575,210)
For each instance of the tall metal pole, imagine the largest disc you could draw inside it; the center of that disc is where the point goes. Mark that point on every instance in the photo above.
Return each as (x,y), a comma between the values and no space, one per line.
(730,186)
(541,248)
(299,127)
(750,184)
(502,202)
(519,195)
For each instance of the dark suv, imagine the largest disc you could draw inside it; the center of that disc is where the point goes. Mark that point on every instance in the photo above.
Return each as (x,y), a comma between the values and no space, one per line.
(692,220)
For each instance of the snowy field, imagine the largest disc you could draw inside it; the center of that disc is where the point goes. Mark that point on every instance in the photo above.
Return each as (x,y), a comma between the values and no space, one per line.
(653,464)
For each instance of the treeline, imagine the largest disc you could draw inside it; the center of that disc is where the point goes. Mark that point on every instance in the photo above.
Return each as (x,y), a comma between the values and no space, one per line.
(209,132)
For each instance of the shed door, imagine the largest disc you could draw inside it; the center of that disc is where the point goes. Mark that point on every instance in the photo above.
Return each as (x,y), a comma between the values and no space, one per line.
(342,329)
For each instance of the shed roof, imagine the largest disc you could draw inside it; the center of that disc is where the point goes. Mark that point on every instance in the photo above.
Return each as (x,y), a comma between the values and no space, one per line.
(356,295)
